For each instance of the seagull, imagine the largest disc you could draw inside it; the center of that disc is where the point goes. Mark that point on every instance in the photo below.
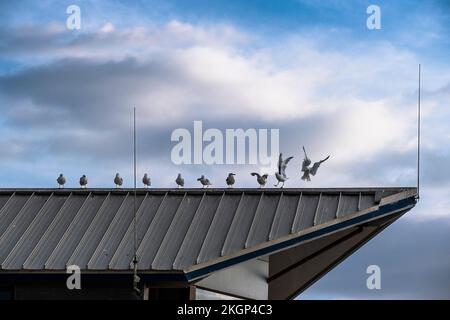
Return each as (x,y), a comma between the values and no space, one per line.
(118,180)
(83,181)
(281,174)
(180,181)
(230,180)
(307,170)
(205,182)
(61,180)
(146,181)
(262,179)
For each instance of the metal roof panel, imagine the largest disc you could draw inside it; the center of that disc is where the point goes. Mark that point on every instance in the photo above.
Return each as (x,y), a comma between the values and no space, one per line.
(241,224)
(59,257)
(54,232)
(10,210)
(20,223)
(198,229)
(124,254)
(217,233)
(284,216)
(93,235)
(173,239)
(114,234)
(34,232)
(48,229)
(348,204)
(263,219)
(157,229)
(306,211)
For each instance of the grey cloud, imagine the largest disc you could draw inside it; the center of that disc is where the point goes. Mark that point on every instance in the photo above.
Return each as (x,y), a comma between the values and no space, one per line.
(82,92)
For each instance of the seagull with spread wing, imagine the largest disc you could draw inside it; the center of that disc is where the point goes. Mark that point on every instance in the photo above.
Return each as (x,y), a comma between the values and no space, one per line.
(281,174)
(262,179)
(307,170)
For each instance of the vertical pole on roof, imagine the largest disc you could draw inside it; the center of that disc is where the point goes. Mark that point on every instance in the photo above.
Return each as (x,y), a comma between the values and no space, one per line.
(418,140)
(136,278)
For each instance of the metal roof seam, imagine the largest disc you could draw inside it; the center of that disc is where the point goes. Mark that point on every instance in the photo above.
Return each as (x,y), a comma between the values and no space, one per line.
(164,242)
(65,235)
(191,225)
(143,243)
(2,209)
(316,214)
(359,201)
(138,214)
(95,254)
(194,232)
(277,210)
(152,227)
(227,239)
(25,234)
(296,216)
(33,253)
(78,248)
(253,224)
(209,228)
(338,205)
(12,251)
(17,215)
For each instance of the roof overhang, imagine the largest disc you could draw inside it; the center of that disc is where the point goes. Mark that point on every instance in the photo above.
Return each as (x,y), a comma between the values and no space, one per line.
(284,268)
(288,238)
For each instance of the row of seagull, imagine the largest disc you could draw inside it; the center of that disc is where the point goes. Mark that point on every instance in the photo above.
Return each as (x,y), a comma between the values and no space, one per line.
(280,175)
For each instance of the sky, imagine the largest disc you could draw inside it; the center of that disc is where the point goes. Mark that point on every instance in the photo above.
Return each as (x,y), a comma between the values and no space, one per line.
(311,69)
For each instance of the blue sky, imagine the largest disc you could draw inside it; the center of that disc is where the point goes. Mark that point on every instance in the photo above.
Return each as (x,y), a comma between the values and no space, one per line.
(310,68)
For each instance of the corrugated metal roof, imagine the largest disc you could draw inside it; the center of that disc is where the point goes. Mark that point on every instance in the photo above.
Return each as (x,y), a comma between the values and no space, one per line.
(48,229)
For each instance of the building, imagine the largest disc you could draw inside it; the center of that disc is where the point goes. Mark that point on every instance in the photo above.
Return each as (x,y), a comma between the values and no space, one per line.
(244,243)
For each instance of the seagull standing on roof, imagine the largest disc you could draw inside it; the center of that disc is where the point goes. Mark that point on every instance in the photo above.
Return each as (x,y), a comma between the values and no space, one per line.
(307,170)
(83,181)
(146,180)
(205,182)
(180,181)
(118,180)
(61,180)
(281,174)
(230,180)
(262,179)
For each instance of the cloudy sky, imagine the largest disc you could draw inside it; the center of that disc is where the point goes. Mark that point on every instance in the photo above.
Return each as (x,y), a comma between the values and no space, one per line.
(311,69)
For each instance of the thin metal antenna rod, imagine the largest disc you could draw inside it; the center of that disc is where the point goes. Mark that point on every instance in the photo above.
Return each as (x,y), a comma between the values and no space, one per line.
(418,140)
(136,279)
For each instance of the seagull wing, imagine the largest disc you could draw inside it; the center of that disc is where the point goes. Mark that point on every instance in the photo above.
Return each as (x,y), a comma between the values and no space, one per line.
(283,166)
(256,174)
(316,166)
(280,163)
(305,164)
(306,161)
